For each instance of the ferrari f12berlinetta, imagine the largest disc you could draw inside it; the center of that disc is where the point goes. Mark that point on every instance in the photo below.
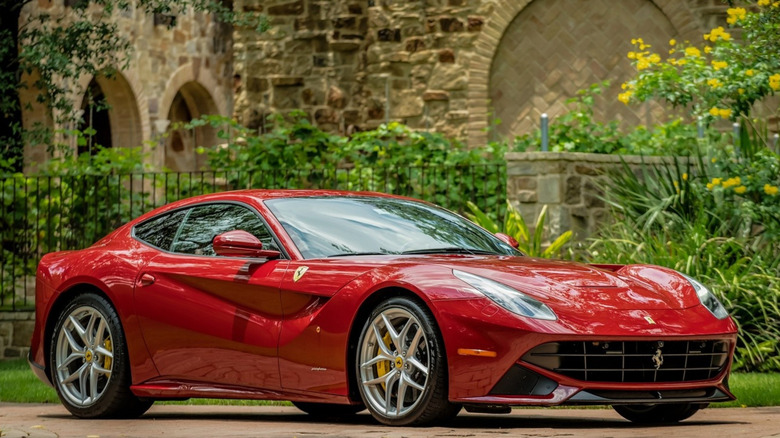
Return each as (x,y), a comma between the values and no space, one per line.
(342,301)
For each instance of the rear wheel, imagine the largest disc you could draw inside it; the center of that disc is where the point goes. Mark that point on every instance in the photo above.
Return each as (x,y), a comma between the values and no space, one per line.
(401,365)
(89,364)
(649,414)
(328,410)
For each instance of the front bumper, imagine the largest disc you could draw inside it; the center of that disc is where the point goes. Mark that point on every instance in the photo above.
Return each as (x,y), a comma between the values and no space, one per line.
(507,379)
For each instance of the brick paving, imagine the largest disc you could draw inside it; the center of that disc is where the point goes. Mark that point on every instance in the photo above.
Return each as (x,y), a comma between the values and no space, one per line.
(46,421)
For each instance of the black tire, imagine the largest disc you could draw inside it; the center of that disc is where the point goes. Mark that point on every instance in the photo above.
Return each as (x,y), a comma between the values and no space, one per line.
(91,370)
(657,414)
(420,366)
(328,410)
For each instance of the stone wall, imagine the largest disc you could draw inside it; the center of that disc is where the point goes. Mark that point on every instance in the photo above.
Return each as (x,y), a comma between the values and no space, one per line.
(16,329)
(447,65)
(567,183)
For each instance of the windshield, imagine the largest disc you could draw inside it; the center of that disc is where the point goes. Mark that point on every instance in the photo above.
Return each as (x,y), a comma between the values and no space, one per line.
(336,227)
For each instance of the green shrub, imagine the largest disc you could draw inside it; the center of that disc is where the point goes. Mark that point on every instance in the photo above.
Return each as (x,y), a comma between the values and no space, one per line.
(577,130)
(514,225)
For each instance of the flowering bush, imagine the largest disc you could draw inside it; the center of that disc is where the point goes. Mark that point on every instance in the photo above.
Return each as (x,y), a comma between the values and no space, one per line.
(721,78)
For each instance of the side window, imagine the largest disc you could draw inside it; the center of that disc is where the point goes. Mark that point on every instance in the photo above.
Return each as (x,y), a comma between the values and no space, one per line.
(203,223)
(161,230)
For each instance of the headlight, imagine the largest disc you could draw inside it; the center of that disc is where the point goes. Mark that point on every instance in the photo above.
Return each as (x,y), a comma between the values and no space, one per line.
(708,299)
(507,297)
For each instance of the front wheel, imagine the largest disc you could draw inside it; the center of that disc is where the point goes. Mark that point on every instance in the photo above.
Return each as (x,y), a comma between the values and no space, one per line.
(654,414)
(89,363)
(401,365)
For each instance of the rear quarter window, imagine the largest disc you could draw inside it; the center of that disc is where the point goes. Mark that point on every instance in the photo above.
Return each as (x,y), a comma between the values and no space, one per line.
(161,230)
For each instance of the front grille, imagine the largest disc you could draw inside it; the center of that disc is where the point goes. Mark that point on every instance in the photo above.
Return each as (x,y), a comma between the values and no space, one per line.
(633,361)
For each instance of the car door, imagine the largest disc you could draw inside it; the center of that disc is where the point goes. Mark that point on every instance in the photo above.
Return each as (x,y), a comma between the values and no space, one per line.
(207,318)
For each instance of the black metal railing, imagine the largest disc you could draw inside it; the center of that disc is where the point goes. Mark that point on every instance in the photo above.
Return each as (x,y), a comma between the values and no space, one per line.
(42,214)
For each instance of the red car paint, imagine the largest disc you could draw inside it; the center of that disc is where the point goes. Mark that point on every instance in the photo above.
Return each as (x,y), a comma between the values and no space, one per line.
(239,328)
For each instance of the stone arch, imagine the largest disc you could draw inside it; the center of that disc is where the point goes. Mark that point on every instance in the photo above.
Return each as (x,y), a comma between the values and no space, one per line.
(192,72)
(187,96)
(128,107)
(192,100)
(503,15)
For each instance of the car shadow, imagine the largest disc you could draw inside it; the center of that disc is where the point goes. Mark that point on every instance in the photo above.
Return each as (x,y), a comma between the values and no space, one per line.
(463,422)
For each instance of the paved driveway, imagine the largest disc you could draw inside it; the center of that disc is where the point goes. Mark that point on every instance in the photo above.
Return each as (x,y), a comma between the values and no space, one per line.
(39,421)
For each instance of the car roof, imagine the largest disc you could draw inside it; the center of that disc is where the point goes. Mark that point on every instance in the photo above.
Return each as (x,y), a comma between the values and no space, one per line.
(260,195)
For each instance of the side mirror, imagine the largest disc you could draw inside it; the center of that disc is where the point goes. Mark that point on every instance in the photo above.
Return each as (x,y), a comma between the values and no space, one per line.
(239,243)
(509,240)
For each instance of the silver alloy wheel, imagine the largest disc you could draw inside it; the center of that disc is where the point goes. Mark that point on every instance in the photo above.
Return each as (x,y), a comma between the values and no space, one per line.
(394,363)
(84,356)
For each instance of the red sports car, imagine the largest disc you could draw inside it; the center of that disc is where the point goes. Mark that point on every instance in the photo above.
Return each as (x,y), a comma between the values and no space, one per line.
(344,301)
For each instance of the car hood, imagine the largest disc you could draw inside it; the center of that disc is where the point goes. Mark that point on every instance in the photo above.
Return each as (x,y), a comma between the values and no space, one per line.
(569,284)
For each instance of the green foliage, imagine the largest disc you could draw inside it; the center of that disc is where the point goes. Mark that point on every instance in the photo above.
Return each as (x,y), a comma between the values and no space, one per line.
(715,220)
(720,79)
(514,226)
(391,158)
(577,130)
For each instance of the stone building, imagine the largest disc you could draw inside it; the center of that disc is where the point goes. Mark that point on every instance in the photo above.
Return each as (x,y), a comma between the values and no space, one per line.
(176,73)
(454,66)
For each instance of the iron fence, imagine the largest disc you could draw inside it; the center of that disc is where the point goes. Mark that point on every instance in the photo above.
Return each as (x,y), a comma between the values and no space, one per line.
(42,214)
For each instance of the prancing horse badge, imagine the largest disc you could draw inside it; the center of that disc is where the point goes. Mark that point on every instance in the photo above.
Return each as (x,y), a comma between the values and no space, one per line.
(299,273)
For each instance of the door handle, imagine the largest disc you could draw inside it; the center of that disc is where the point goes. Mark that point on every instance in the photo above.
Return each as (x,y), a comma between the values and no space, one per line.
(146,280)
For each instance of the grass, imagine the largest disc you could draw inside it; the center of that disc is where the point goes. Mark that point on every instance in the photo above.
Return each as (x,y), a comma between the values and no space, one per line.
(19,385)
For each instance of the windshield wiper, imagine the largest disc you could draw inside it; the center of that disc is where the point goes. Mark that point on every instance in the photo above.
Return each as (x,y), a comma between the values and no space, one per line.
(347,254)
(450,250)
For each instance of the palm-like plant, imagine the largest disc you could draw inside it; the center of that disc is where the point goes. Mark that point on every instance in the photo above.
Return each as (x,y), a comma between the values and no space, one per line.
(515,226)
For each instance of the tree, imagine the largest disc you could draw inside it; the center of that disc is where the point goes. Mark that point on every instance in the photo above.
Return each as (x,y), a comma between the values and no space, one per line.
(60,49)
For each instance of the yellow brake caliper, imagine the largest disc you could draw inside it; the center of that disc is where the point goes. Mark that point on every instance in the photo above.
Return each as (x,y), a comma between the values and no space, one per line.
(107,360)
(383,367)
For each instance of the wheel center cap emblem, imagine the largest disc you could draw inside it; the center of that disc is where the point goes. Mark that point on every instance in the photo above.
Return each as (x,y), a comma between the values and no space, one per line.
(88,356)
(399,362)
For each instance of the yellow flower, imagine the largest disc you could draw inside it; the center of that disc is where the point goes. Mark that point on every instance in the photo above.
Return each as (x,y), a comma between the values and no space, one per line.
(672,42)
(763,2)
(685,177)
(774,81)
(749,72)
(642,64)
(714,83)
(740,190)
(735,14)
(692,51)
(672,61)
(625,97)
(714,111)
(707,49)
(770,190)
(725,113)
(717,65)
(716,33)
(654,58)
(714,160)
(716,181)
(682,62)
(710,186)
(732,182)
(741,91)
(631,55)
